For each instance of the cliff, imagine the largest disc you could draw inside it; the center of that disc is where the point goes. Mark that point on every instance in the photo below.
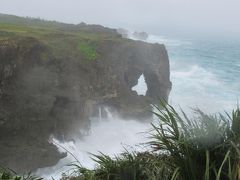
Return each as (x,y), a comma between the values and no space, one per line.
(53,77)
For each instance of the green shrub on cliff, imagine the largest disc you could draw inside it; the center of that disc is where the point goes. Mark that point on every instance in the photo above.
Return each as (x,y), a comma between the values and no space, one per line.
(88,51)
(206,147)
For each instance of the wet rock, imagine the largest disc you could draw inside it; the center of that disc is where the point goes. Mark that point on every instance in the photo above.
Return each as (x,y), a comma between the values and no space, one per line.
(44,94)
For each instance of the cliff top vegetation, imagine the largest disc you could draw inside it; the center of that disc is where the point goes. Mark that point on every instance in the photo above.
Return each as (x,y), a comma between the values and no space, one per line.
(79,40)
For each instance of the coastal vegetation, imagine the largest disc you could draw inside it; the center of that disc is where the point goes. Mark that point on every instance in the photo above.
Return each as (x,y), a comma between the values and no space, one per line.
(8,174)
(180,148)
(88,51)
(204,147)
(78,40)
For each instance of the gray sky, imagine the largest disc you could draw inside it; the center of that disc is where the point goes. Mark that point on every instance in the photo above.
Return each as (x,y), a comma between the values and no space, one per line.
(155,16)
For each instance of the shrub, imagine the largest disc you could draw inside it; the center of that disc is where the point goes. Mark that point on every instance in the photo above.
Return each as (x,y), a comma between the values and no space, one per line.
(7,174)
(204,147)
(88,51)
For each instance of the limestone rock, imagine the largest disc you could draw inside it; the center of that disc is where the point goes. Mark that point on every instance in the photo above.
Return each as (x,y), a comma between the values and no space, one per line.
(46,91)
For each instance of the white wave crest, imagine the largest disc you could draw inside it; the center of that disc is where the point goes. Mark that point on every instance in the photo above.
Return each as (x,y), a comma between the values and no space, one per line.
(167,41)
(108,136)
(196,74)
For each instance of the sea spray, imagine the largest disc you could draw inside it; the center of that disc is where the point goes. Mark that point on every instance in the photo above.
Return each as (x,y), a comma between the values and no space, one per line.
(110,135)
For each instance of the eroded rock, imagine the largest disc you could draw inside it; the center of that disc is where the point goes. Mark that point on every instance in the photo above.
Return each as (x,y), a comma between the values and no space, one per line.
(42,94)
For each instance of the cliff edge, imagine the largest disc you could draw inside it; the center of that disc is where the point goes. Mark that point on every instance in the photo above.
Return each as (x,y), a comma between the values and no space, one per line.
(53,77)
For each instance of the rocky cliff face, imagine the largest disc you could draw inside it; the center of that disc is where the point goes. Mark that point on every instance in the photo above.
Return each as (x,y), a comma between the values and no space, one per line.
(54,91)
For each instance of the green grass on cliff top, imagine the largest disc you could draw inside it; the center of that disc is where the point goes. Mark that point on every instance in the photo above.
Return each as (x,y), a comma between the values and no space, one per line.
(73,40)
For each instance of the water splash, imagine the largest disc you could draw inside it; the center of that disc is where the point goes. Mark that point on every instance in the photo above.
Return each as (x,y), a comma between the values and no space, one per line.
(109,135)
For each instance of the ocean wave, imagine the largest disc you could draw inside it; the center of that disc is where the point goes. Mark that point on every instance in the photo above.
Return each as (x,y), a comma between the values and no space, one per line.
(197,86)
(195,74)
(116,134)
(167,41)
(202,73)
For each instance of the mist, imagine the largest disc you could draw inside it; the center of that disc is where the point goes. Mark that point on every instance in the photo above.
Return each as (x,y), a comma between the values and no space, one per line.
(159,17)
(68,91)
(110,136)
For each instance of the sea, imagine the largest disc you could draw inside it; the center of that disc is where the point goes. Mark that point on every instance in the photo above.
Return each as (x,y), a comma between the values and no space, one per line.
(205,74)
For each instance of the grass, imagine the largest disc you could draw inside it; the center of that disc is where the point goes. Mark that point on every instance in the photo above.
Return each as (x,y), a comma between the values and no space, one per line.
(62,39)
(88,51)
(205,147)
(7,174)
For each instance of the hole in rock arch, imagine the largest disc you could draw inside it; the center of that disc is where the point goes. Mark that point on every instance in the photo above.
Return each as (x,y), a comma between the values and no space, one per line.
(141,87)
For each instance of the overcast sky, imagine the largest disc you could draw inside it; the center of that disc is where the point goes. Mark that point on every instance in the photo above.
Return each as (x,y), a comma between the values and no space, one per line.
(155,16)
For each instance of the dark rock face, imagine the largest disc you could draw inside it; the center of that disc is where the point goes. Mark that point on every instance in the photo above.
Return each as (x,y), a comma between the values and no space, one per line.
(127,63)
(41,95)
(24,105)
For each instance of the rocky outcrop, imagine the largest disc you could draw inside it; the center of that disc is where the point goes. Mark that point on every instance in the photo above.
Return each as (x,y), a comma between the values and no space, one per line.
(44,93)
